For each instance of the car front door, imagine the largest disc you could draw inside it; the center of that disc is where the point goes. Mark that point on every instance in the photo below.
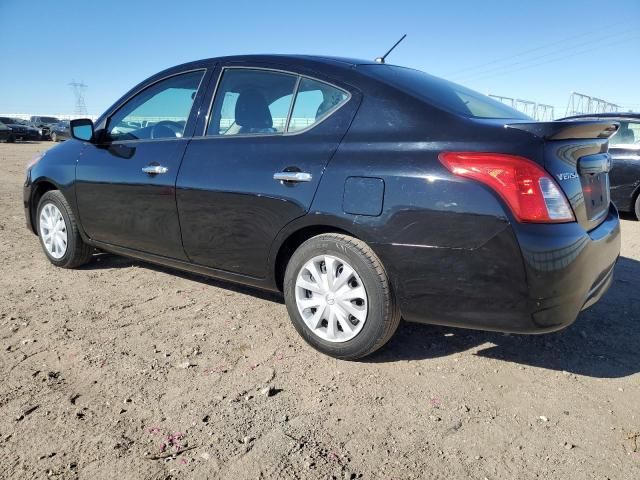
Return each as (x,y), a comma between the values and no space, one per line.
(624,176)
(125,182)
(257,166)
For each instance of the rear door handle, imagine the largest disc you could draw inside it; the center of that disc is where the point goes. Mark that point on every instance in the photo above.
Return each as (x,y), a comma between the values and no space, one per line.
(154,169)
(292,176)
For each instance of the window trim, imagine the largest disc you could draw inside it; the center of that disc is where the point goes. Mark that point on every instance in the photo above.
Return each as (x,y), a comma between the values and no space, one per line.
(139,91)
(286,133)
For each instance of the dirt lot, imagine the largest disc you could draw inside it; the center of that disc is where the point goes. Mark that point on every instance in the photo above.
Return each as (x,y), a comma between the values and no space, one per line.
(108,369)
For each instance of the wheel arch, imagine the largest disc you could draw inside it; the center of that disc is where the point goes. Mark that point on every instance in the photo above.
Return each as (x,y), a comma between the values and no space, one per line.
(634,197)
(293,240)
(40,187)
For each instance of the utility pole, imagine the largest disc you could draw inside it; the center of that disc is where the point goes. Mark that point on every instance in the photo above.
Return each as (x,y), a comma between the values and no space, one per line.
(580,103)
(78,90)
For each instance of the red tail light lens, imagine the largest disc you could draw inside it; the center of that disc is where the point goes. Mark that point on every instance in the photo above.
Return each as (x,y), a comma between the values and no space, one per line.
(530,192)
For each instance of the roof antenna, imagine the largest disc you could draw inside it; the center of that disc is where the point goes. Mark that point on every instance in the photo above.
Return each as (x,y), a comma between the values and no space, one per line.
(381,59)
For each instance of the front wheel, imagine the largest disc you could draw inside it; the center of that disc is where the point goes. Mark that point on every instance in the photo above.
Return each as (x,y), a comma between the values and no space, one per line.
(637,206)
(58,232)
(53,137)
(339,297)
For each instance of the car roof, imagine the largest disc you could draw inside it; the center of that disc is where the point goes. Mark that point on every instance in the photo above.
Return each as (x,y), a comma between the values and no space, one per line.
(317,60)
(326,59)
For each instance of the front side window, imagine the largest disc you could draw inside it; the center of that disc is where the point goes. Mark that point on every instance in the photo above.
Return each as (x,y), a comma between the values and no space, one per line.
(628,134)
(314,101)
(252,102)
(159,111)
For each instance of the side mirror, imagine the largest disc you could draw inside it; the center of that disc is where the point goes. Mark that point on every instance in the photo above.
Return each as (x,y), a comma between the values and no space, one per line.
(81,129)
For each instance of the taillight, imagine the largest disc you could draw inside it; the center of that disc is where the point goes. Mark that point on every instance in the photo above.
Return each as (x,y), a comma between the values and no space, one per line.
(531,194)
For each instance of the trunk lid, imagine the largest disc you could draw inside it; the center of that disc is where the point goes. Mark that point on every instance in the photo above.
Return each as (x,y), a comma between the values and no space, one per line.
(576,154)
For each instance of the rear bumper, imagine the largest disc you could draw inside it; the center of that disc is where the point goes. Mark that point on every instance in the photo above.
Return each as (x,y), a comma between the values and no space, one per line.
(573,273)
(526,279)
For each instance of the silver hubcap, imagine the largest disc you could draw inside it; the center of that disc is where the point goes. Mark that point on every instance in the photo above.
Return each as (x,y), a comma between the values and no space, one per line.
(331,298)
(53,231)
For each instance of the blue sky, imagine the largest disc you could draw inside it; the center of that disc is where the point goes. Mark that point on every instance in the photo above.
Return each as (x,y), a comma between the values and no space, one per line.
(537,50)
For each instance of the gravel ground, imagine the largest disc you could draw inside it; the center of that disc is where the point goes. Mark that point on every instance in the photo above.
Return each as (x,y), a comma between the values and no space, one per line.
(110,369)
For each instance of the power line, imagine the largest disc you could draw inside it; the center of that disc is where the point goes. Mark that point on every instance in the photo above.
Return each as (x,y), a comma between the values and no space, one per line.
(510,70)
(541,47)
(548,54)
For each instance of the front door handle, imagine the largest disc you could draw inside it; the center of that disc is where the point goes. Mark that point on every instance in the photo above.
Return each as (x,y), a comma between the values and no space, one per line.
(292,176)
(154,169)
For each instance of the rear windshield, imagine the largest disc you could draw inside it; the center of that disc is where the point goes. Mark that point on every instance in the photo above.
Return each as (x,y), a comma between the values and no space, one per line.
(442,93)
(49,119)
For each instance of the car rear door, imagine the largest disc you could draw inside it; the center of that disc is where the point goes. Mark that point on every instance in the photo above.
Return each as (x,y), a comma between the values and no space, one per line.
(258,163)
(125,182)
(624,148)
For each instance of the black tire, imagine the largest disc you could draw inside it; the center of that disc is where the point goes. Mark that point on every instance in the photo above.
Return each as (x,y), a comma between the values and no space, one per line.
(637,207)
(383,314)
(77,252)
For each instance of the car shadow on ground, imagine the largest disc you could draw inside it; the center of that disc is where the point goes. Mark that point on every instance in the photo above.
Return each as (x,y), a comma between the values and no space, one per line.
(604,342)
(107,261)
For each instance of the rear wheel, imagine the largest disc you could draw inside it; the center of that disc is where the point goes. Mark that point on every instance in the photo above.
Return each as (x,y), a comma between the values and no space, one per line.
(58,232)
(637,206)
(339,297)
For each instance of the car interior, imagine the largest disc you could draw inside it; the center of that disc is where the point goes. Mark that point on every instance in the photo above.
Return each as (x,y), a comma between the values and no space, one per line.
(247,102)
(625,135)
(258,102)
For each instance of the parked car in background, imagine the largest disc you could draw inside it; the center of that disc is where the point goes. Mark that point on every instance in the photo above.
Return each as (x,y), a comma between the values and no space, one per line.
(624,148)
(20,130)
(5,133)
(43,124)
(363,191)
(60,131)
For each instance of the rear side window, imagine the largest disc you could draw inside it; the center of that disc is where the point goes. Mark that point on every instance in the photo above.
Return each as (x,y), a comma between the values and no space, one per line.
(265,102)
(314,101)
(442,93)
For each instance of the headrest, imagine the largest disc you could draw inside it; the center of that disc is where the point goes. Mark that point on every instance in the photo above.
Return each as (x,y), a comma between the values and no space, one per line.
(252,110)
(626,135)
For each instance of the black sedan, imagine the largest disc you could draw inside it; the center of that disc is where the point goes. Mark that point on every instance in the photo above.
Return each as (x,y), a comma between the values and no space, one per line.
(59,132)
(20,130)
(43,125)
(624,148)
(5,133)
(362,191)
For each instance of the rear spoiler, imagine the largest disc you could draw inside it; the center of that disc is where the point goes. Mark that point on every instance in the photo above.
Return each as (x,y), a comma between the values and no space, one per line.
(568,129)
